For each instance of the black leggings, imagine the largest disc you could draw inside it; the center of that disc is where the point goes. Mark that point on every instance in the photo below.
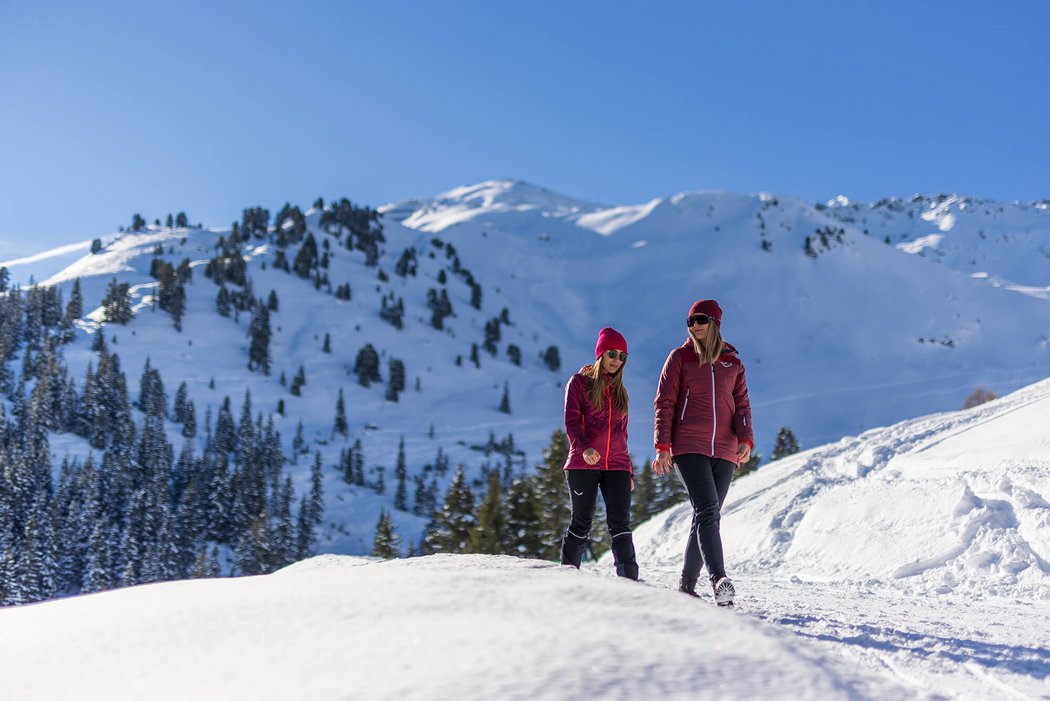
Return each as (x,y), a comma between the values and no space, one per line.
(707,481)
(615,486)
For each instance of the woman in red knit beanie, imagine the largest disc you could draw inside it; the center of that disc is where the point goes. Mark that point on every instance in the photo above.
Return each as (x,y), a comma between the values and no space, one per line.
(596,424)
(703,431)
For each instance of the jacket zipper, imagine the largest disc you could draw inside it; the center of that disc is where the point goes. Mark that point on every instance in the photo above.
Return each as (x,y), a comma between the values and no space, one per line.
(714,411)
(608,436)
(682,417)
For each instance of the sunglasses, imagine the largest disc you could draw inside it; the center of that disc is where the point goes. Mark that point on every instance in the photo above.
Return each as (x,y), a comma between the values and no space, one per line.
(613,355)
(699,319)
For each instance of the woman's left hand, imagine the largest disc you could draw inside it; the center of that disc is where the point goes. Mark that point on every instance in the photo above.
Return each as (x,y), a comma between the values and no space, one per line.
(743,452)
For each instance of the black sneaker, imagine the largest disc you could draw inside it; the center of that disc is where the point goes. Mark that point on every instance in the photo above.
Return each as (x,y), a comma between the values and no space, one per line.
(688,586)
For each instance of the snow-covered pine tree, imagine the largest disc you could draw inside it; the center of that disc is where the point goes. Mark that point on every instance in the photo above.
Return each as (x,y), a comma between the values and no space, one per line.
(549,487)
(450,530)
(524,520)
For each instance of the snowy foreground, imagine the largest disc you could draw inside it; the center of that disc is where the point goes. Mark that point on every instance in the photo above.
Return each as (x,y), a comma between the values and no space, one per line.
(912,561)
(445,626)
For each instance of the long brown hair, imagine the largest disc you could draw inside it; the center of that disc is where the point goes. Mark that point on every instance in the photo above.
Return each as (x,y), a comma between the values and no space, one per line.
(614,382)
(711,347)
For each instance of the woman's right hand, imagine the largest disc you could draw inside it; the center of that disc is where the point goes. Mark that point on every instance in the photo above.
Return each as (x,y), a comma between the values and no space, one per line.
(591,456)
(663,463)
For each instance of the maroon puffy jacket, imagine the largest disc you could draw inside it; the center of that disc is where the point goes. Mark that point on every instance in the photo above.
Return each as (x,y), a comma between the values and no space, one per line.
(703,408)
(587,427)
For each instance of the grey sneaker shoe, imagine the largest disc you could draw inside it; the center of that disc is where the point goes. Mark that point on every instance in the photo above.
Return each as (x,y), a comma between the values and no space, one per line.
(724,590)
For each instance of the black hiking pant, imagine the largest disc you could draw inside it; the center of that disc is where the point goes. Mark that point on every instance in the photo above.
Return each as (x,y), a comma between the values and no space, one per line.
(615,486)
(707,481)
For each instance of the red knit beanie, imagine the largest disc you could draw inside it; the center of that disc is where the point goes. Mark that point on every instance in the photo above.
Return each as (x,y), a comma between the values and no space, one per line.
(609,339)
(709,307)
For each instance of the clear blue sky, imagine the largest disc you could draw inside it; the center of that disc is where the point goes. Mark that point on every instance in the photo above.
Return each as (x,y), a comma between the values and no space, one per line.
(111,108)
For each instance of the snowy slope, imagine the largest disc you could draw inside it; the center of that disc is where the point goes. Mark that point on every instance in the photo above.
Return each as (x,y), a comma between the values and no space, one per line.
(956,502)
(922,548)
(441,627)
(863,334)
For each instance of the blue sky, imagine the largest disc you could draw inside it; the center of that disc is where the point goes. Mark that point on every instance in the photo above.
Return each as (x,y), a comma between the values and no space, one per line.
(112,108)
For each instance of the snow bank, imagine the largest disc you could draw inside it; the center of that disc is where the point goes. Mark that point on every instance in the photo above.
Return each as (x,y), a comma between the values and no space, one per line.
(445,626)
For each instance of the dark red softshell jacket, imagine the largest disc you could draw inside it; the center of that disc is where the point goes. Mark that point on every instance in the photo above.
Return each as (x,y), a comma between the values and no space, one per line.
(703,409)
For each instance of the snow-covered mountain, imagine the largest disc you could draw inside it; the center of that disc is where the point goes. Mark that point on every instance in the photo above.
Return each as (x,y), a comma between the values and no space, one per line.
(839,331)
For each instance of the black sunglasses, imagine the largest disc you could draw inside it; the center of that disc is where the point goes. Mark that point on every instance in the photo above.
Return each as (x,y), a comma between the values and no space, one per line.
(699,319)
(613,355)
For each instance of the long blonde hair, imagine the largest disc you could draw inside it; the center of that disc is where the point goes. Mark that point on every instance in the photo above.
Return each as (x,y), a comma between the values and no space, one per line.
(711,347)
(614,382)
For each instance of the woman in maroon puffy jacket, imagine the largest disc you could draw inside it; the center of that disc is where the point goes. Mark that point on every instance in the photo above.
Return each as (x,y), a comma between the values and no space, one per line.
(703,431)
(596,424)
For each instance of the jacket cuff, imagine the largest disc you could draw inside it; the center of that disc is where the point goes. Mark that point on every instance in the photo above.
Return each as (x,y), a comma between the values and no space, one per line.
(750,443)
(662,448)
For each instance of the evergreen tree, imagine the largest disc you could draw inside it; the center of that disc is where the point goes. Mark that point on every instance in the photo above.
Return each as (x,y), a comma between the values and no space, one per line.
(341,426)
(400,474)
(116,305)
(357,462)
(222,302)
(552,359)
(306,258)
(259,345)
(305,536)
(645,490)
(316,503)
(489,535)
(514,354)
(252,555)
(549,487)
(449,532)
(387,542)
(786,443)
(492,337)
(179,407)
(396,384)
(504,402)
(206,565)
(524,520)
(297,382)
(326,347)
(366,365)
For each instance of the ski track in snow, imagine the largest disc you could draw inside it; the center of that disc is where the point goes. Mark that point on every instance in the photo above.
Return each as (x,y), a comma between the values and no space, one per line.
(939,647)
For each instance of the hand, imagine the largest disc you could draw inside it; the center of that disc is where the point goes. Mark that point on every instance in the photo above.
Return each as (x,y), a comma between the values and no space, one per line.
(632,483)
(591,456)
(743,452)
(662,465)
